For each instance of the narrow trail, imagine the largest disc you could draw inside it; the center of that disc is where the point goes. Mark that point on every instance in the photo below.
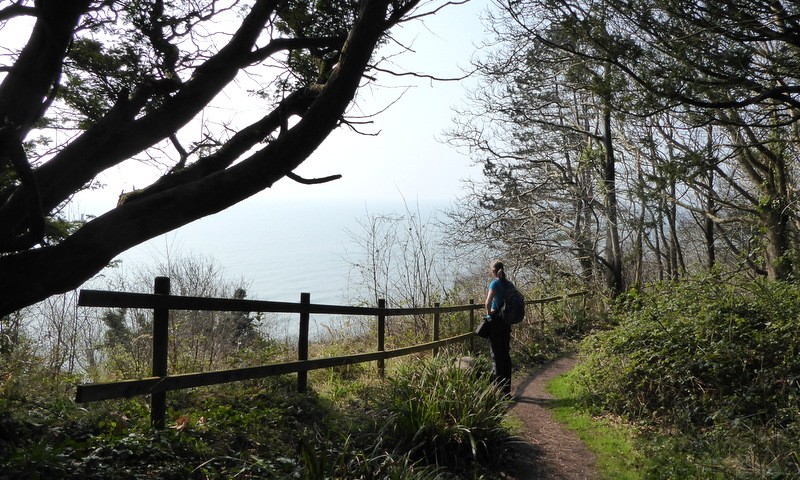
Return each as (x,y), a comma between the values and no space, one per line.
(547,450)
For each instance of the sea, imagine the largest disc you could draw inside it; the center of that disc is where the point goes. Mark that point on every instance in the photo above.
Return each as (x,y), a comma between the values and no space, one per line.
(276,248)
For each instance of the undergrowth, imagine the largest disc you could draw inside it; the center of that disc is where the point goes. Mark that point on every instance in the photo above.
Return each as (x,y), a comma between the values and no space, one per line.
(444,415)
(551,329)
(431,420)
(712,369)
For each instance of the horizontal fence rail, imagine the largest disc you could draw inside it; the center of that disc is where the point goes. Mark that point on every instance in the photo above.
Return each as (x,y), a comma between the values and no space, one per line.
(162,302)
(556,298)
(101,298)
(129,388)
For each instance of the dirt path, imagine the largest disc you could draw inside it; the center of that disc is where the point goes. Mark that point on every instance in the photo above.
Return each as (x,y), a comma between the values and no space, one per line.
(548,451)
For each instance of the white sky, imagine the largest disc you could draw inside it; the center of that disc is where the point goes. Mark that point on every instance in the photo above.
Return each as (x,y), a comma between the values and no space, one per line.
(406,161)
(407,158)
(408,155)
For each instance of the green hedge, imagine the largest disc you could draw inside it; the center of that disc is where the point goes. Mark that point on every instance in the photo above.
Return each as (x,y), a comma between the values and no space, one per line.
(710,369)
(700,351)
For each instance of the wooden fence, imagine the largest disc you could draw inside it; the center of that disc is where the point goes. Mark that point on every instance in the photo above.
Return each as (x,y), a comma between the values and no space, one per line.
(161,302)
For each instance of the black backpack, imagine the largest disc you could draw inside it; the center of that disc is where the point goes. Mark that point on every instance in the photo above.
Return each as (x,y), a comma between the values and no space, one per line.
(513,310)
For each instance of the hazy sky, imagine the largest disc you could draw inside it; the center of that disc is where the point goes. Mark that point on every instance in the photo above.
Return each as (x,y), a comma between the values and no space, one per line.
(262,237)
(406,159)
(408,155)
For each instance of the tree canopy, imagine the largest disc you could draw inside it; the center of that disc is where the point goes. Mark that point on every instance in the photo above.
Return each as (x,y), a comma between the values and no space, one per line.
(98,83)
(638,139)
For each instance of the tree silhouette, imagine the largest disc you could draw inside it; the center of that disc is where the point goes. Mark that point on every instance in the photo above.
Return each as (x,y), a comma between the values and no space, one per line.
(124,78)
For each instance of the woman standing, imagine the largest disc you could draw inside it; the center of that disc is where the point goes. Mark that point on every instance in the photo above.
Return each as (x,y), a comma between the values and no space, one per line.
(500,333)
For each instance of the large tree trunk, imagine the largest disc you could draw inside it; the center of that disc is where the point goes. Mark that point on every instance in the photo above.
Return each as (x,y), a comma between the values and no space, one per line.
(711,207)
(778,262)
(615,281)
(768,172)
(677,263)
(32,78)
(583,242)
(778,220)
(638,245)
(31,275)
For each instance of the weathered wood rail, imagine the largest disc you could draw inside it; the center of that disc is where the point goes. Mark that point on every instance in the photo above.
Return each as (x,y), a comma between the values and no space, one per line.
(161,302)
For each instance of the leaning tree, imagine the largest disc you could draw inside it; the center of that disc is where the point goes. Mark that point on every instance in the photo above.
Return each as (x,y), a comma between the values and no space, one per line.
(124,78)
(657,77)
(729,64)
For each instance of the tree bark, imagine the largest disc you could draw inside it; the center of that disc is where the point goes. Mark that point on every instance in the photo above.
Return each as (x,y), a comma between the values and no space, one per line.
(615,281)
(711,207)
(32,275)
(776,255)
(35,73)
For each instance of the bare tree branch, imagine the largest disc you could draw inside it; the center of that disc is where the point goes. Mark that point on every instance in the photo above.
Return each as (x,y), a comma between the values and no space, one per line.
(312,181)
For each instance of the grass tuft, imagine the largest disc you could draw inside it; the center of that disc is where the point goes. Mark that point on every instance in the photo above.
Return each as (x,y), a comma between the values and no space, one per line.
(611,441)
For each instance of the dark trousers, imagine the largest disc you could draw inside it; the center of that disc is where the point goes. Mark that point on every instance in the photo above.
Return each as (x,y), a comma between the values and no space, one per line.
(500,344)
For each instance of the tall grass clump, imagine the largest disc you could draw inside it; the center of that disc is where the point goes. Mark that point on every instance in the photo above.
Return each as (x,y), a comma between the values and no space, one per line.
(445,415)
(326,458)
(716,362)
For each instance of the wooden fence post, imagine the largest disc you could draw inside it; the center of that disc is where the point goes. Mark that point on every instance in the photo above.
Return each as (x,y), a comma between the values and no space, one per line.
(381,337)
(302,340)
(161,303)
(436,328)
(583,307)
(158,400)
(541,309)
(472,325)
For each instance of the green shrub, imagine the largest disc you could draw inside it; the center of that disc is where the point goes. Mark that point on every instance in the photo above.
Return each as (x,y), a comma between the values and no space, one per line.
(716,361)
(736,450)
(701,351)
(330,458)
(245,430)
(444,415)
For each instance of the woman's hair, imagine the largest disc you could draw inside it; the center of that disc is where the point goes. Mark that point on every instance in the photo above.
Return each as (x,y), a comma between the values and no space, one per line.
(497,268)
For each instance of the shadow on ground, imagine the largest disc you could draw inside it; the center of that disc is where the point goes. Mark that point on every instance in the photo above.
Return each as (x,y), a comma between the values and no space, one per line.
(545,449)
